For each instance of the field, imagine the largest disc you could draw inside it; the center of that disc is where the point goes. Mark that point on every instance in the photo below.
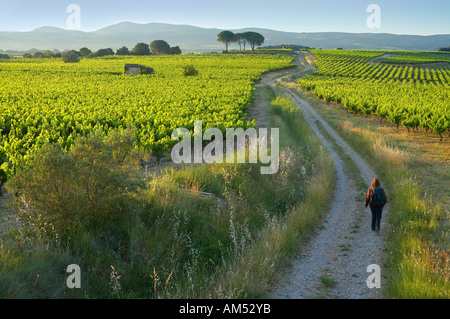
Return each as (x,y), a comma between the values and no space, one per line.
(84,199)
(410,57)
(50,101)
(74,135)
(414,96)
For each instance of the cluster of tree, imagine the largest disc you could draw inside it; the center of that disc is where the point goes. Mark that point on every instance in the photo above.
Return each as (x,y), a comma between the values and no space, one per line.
(444,49)
(242,39)
(156,47)
(295,47)
(40,55)
(4,56)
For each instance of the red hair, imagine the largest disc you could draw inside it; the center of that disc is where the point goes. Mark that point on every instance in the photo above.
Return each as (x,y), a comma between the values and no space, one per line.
(375,182)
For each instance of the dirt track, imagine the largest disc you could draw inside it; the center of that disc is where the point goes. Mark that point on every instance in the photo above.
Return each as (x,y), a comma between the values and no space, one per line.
(345,246)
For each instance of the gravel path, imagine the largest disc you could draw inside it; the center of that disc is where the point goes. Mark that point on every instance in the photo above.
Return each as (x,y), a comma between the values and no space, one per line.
(345,246)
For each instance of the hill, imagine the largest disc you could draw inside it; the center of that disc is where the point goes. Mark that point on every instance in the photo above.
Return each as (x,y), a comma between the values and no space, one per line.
(197,39)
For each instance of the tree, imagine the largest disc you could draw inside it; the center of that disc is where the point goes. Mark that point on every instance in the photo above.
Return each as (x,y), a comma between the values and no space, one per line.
(141,49)
(240,39)
(123,51)
(226,37)
(38,55)
(160,47)
(104,52)
(4,56)
(254,38)
(70,57)
(85,52)
(175,50)
(48,54)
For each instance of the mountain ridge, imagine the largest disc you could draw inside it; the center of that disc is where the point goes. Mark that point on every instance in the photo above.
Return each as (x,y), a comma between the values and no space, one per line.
(198,39)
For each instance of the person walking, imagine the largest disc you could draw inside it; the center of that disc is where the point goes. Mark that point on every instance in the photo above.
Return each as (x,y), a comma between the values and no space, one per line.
(376,199)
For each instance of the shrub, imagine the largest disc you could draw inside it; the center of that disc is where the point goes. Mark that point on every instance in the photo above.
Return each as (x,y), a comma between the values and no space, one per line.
(160,47)
(175,50)
(190,70)
(145,70)
(62,193)
(104,52)
(70,57)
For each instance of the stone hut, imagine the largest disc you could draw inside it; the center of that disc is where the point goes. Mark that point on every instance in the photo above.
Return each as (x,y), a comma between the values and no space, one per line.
(132,69)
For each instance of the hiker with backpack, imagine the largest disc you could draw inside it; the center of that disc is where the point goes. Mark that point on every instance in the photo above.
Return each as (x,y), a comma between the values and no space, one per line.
(376,199)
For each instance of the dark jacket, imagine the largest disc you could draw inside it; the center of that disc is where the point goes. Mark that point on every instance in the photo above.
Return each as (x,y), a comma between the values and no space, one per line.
(368,203)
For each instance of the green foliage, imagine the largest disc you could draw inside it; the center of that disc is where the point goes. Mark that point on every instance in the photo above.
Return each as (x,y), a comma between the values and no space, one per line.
(189,70)
(160,47)
(4,56)
(254,39)
(104,52)
(39,107)
(123,51)
(410,95)
(70,57)
(164,239)
(226,37)
(66,192)
(175,50)
(240,39)
(285,107)
(85,51)
(141,49)
(145,70)
(411,57)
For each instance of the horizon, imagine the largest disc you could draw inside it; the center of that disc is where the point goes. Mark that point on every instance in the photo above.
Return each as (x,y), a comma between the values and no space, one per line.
(347,16)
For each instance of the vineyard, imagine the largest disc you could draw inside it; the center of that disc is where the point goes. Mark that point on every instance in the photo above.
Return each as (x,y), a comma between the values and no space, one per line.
(51,101)
(405,57)
(401,90)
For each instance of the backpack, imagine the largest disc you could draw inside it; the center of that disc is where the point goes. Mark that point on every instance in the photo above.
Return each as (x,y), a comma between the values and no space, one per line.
(377,197)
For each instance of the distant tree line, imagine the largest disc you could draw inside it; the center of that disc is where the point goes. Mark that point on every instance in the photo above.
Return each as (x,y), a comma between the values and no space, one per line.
(157,47)
(445,49)
(254,39)
(295,47)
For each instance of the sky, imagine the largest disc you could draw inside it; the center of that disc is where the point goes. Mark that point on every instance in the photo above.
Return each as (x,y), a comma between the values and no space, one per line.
(395,16)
